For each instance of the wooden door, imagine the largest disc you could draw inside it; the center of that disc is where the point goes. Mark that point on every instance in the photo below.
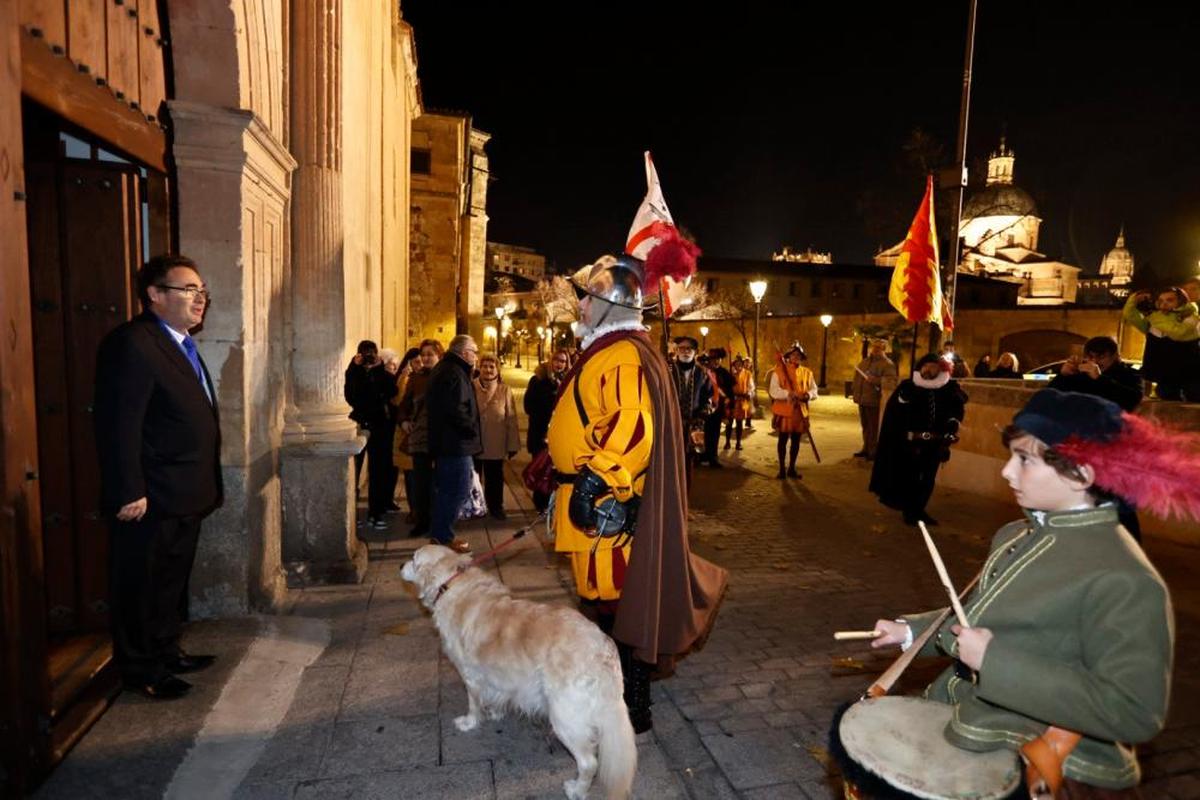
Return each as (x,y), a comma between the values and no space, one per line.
(84,249)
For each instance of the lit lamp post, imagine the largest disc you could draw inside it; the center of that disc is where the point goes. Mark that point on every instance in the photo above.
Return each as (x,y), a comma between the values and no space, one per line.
(704,338)
(758,289)
(499,328)
(825,320)
(490,331)
(541,354)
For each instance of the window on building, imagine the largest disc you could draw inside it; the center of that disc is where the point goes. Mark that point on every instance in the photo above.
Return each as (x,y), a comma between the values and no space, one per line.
(856,291)
(422,161)
(815,288)
(835,290)
(791,288)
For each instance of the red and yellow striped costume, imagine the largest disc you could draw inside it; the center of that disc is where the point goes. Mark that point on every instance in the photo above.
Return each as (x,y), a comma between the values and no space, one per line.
(603,419)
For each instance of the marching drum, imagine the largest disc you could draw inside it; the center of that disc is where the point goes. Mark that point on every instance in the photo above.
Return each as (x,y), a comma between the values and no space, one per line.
(894,747)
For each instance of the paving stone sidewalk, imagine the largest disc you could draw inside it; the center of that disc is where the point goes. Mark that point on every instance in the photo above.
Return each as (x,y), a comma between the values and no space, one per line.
(745,718)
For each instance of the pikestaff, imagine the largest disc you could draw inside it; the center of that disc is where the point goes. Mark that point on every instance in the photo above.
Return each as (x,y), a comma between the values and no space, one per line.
(787,376)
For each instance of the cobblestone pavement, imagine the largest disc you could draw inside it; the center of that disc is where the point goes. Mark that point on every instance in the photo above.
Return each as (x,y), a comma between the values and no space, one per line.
(744,718)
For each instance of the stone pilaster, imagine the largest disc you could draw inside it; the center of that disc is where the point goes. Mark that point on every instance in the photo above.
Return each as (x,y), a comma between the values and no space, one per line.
(319,542)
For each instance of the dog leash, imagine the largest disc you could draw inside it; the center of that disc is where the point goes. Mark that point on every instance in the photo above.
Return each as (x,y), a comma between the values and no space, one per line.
(480,559)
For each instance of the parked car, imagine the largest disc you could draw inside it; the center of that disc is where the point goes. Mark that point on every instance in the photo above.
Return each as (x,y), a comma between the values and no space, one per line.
(1046,372)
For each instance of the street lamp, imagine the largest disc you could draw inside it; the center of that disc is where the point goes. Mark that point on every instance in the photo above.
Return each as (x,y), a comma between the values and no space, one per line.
(704,338)
(541,341)
(499,328)
(490,331)
(758,290)
(825,320)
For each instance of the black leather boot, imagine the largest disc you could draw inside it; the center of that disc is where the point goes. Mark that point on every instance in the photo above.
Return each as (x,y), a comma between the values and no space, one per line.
(637,689)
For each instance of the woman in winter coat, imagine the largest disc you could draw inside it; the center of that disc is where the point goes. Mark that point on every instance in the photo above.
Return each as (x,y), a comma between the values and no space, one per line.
(413,419)
(498,426)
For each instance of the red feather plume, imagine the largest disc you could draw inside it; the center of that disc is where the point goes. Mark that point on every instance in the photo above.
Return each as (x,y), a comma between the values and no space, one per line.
(673,256)
(1151,466)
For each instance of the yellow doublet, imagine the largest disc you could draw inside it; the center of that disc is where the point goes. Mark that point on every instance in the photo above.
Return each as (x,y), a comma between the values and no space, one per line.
(603,420)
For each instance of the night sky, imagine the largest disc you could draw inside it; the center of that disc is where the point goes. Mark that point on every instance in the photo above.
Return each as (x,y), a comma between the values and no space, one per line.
(785,123)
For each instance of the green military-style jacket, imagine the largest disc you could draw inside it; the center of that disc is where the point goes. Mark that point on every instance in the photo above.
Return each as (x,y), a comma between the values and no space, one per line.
(1083,639)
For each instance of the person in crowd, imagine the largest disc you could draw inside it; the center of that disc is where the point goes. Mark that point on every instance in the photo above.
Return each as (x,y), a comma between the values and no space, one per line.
(867,392)
(454,437)
(1172,354)
(374,389)
(358,397)
(413,419)
(540,396)
(401,459)
(694,389)
(983,366)
(158,442)
(1007,366)
(722,380)
(920,423)
(620,511)
(791,389)
(1071,633)
(1102,373)
(741,405)
(958,366)
(498,430)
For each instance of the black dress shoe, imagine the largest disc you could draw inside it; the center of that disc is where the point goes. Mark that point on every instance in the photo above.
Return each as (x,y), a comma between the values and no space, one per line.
(183,663)
(168,688)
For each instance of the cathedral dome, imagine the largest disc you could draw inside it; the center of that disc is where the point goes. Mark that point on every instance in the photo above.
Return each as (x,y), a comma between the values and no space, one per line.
(1119,261)
(1000,200)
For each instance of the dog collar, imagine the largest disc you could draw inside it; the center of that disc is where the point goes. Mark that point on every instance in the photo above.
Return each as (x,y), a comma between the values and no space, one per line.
(446,584)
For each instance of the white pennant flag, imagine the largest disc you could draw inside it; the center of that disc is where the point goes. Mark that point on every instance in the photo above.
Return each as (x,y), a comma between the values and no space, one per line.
(642,240)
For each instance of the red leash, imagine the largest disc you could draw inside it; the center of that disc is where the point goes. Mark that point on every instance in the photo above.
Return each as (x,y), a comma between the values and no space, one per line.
(480,559)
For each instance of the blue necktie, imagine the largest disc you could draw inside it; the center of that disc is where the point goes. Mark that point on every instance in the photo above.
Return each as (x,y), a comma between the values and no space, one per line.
(189,347)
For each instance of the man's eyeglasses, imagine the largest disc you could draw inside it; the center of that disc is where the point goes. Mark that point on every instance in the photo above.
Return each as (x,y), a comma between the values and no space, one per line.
(189,291)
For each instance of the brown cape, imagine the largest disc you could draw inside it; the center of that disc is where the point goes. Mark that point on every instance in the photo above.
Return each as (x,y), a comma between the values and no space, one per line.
(670,597)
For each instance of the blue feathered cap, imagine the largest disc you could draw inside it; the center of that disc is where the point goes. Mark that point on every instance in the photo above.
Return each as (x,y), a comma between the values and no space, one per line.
(1053,417)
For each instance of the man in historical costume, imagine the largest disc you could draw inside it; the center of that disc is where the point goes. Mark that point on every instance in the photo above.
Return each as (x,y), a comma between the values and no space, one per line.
(620,510)
(792,388)
(741,403)
(920,423)
(723,392)
(694,388)
(867,392)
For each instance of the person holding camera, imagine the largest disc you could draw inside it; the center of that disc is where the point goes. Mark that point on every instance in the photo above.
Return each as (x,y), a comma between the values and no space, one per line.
(368,389)
(1172,355)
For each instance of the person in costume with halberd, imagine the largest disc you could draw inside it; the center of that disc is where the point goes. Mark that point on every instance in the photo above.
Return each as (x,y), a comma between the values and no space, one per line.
(920,423)
(1071,626)
(620,509)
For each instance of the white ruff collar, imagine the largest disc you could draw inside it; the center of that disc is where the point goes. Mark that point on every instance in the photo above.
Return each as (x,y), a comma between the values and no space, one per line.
(941,380)
(609,327)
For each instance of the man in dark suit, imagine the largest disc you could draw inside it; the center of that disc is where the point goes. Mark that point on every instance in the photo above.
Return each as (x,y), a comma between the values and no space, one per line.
(158,441)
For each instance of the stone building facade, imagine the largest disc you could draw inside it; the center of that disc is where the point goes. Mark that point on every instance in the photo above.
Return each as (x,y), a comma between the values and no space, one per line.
(448,253)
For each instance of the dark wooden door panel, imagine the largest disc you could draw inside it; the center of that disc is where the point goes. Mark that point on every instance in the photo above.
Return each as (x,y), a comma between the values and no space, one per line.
(53,403)
(101,246)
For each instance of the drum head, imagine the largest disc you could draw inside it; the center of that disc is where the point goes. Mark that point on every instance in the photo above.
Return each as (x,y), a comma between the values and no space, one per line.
(901,741)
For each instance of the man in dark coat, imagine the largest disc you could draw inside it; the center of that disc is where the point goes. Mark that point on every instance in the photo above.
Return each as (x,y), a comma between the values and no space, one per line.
(539,405)
(158,441)
(920,423)
(1102,373)
(712,423)
(454,436)
(695,392)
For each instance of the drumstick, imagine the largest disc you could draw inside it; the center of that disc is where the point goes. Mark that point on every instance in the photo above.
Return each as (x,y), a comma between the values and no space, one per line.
(845,636)
(883,684)
(941,571)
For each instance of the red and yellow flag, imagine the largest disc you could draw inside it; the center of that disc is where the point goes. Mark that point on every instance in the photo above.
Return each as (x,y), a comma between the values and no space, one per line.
(916,290)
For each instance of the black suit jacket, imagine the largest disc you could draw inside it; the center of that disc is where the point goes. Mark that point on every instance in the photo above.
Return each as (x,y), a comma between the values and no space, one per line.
(157,434)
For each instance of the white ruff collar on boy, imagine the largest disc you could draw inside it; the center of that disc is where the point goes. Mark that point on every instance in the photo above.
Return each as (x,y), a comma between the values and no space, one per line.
(925,383)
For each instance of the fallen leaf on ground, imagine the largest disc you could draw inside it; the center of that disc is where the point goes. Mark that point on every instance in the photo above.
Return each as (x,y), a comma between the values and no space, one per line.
(879,529)
(399,629)
(783,567)
(820,754)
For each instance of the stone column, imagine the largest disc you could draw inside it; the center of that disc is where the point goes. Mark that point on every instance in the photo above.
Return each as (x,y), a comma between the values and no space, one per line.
(319,543)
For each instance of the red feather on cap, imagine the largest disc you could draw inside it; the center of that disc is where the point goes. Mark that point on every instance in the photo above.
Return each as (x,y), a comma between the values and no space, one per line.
(673,257)
(1151,466)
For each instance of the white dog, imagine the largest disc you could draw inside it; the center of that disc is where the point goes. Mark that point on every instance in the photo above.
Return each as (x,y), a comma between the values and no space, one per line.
(541,660)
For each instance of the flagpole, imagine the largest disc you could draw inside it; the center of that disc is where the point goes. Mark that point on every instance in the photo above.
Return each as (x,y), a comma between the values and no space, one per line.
(916,325)
(960,153)
(666,319)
